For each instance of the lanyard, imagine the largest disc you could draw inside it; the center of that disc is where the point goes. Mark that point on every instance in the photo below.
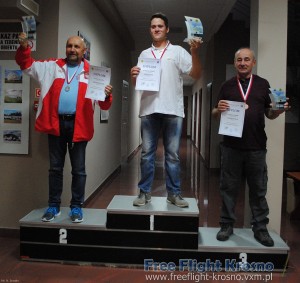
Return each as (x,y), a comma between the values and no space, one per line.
(245,95)
(162,52)
(67,75)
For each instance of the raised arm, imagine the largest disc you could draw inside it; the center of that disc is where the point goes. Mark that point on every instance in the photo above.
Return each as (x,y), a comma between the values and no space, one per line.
(196,70)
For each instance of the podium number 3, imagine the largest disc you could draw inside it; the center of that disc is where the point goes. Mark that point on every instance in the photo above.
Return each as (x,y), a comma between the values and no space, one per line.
(63,236)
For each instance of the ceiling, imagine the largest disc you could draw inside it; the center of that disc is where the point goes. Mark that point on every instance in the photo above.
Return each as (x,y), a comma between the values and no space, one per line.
(135,16)
(131,19)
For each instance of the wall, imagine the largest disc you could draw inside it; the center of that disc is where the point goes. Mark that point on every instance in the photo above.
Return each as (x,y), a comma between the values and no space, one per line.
(266,24)
(24,179)
(104,151)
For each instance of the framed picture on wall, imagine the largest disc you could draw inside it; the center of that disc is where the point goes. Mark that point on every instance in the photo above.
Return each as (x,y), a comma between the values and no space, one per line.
(87,54)
(14,109)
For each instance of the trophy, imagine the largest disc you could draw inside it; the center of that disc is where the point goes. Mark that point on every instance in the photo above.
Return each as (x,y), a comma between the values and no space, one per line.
(194,28)
(278,98)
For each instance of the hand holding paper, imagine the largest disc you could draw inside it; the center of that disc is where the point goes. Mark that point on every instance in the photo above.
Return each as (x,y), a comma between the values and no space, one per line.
(232,120)
(149,75)
(99,78)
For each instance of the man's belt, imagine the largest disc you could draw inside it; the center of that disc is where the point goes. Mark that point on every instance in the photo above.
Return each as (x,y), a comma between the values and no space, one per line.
(67,117)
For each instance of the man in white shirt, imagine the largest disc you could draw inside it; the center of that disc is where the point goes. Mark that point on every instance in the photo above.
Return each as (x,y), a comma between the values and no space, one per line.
(163,109)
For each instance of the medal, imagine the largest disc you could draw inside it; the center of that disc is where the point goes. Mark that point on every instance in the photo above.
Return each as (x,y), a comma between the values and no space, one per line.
(69,80)
(245,95)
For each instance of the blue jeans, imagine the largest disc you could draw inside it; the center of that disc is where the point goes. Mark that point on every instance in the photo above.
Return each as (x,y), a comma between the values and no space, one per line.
(171,127)
(235,164)
(57,151)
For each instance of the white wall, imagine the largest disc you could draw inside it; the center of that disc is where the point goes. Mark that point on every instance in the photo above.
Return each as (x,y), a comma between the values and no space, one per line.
(104,151)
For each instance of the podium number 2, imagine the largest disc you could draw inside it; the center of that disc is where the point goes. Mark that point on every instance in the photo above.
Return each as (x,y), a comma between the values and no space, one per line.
(63,236)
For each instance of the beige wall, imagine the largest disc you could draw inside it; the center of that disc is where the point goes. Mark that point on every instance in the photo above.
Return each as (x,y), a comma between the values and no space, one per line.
(268,20)
(24,177)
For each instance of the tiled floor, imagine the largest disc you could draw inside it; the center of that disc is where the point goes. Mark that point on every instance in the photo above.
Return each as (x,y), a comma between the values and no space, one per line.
(197,182)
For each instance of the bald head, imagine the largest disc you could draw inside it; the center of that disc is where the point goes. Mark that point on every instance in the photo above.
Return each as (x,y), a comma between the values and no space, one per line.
(76,38)
(75,50)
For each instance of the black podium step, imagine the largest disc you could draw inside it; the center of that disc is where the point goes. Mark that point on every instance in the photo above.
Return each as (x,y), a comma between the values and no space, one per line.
(242,246)
(92,232)
(91,242)
(157,215)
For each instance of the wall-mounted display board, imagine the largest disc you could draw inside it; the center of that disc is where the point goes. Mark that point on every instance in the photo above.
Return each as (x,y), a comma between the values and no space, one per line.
(14,109)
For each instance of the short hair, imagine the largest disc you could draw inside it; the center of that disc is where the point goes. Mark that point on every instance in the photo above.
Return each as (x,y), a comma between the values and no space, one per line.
(253,54)
(160,16)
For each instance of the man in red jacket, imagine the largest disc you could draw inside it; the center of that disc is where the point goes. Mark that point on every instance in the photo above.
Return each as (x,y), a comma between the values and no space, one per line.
(65,115)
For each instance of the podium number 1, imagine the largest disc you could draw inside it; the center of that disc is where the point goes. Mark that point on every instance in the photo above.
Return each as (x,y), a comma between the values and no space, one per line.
(63,236)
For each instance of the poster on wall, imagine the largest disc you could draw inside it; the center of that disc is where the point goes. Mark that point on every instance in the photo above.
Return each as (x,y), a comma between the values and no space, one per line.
(9,41)
(14,109)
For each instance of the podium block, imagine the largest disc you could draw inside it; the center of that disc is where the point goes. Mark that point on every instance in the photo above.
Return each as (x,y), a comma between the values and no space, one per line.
(157,215)
(126,235)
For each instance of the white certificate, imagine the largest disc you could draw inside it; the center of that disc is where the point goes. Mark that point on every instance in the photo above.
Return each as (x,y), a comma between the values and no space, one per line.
(99,78)
(232,120)
(149,76)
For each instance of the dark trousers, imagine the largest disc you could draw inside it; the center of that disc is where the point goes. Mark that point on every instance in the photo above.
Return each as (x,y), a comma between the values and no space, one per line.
(235,164)
(58,146)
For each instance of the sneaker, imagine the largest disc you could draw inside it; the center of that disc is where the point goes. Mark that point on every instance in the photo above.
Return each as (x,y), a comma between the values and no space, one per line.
(51,213)
(225,232)
(142,199)
(76,215)
(177,200)
(263,237)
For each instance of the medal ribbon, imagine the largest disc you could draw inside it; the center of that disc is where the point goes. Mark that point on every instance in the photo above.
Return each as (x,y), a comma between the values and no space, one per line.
(68,79)
(244,95)
(162,52)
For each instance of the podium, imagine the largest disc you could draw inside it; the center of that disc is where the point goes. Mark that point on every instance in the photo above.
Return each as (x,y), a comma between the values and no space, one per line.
(125,235)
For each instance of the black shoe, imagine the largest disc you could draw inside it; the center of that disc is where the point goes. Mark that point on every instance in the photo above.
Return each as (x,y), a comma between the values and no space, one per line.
(225,232)
(263,237)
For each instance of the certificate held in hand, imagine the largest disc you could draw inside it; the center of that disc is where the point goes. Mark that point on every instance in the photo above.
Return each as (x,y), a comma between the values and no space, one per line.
(99,78)
(149,76)
(232,120)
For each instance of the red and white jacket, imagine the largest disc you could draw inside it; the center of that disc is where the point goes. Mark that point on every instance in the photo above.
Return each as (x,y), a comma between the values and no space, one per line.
(51,76)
